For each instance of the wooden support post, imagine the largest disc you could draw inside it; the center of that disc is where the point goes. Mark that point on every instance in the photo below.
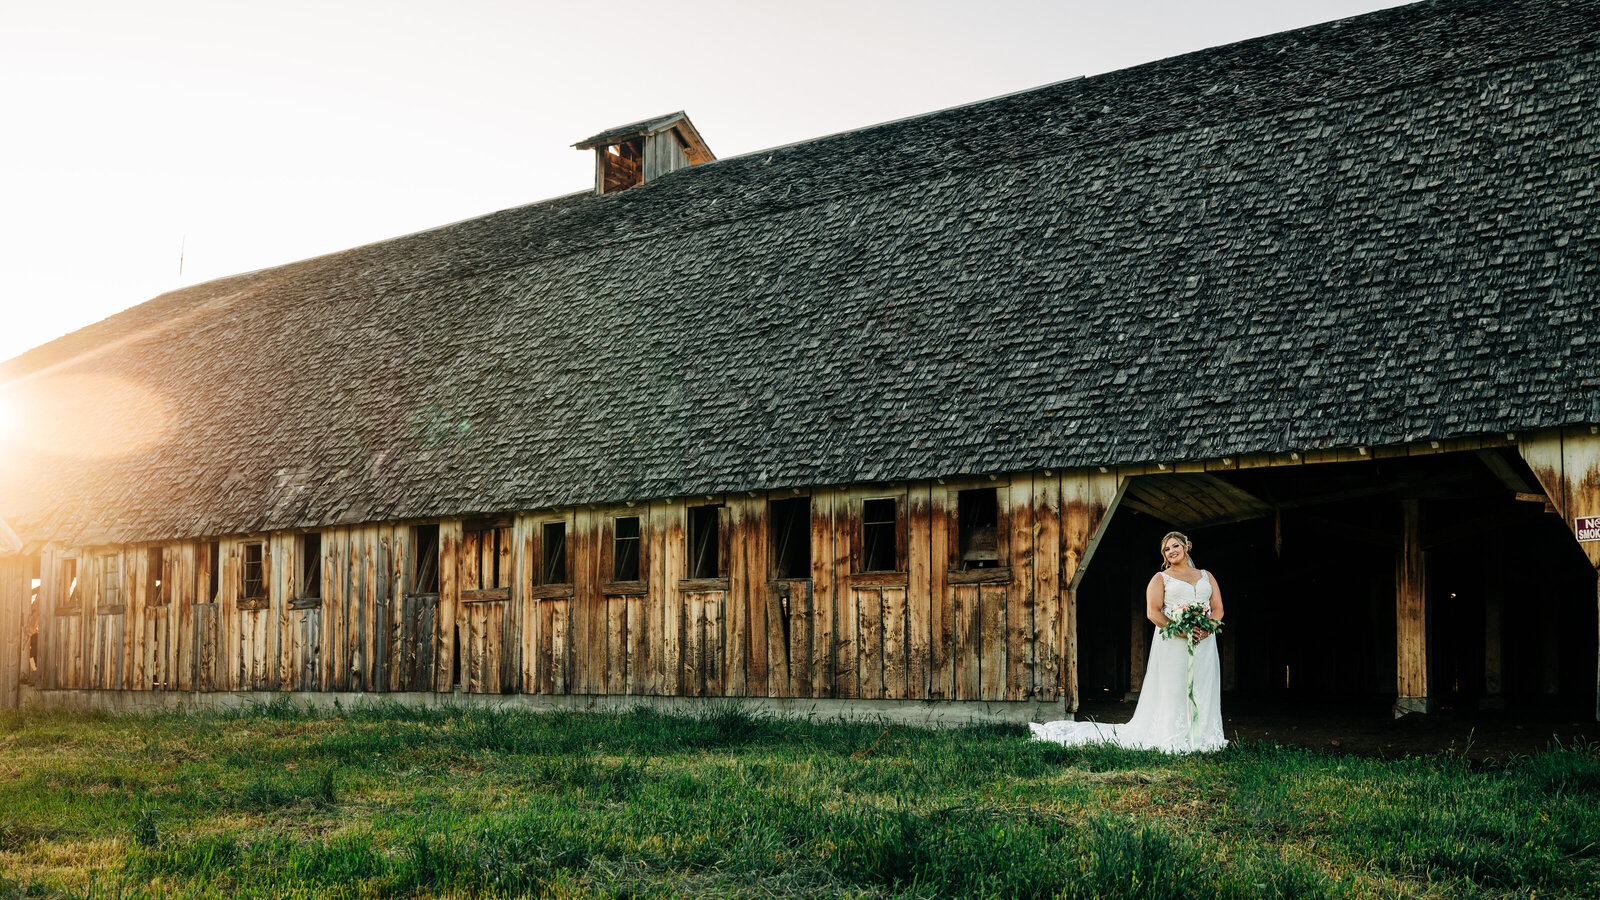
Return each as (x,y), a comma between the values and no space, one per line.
(1139,643)
(1411,617)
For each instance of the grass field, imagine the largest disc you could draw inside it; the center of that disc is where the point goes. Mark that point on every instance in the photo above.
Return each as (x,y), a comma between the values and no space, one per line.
(396,802)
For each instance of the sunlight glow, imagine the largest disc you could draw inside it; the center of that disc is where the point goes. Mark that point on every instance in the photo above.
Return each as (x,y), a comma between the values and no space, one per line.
(85,416)
(10,420)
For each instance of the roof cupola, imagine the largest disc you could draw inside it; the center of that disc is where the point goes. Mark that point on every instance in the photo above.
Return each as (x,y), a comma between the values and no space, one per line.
(630,155)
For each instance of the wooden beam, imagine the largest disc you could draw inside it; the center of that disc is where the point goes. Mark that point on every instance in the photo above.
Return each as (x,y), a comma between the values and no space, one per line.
(1411,616)
(1502,470)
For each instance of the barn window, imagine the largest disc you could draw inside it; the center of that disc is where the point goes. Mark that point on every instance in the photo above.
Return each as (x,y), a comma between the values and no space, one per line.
(71,599)
(789,527)
(625,548)
(623,168)
(253,573)
(878,531)
(155,587)
(705,542)
(311,566)
(110,583)
(978,525)
(553,553)
(208,587)
(425,559)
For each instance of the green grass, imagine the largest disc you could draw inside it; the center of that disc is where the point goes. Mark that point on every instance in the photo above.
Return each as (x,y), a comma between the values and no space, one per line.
(400,802)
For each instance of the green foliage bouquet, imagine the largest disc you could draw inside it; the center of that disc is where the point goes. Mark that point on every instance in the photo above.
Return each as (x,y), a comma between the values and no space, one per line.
(1191,619)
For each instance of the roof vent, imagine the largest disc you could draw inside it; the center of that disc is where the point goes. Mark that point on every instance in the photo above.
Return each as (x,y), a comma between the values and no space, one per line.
(630,155)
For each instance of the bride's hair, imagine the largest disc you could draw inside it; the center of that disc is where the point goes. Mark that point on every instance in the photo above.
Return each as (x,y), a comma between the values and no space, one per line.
(1188,547)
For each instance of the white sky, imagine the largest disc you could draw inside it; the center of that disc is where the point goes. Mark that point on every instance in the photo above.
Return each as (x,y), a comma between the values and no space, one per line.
(245,135)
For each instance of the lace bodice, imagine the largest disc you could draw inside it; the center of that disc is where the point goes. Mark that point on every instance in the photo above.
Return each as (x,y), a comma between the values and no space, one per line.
(1180,593)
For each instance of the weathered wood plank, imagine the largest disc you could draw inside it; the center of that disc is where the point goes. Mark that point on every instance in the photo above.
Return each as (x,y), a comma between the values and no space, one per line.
(777,638)
(559,624)
(361,649)
(694,645)
(714,633)
(801,622)
(738,662)
(637,663)
(823,593)
(992,601)
(919,586)
(590,640)
(968,641)
(447,614)
(616,643)
(653,616)
(758,591)
(895,651)
(847,619)
(16,576)
(941,603)
(673,564)
(1045,683)
(1017,514)
(868,607)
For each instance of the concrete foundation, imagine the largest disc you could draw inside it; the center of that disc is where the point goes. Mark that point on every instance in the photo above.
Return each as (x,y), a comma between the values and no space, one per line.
(917,713)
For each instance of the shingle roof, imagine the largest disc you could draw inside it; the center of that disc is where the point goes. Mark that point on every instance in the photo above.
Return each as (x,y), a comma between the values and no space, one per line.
(1376,230)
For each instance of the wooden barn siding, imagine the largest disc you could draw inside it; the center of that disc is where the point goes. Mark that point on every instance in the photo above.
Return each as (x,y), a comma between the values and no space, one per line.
(914,634)
(16,587)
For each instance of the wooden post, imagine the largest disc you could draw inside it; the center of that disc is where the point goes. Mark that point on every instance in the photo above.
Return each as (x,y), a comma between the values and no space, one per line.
(1411,616)
(1139,643)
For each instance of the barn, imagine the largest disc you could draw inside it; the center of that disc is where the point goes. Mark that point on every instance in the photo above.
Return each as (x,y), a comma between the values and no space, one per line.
(886,422)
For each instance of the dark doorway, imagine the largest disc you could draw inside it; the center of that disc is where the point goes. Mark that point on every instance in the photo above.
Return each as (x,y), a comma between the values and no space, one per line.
(1307,571)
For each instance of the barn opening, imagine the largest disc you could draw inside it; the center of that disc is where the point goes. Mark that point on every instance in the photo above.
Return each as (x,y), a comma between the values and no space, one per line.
(1311,563)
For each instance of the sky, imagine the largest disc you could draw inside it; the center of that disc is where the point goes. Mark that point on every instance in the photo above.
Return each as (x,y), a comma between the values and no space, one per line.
(145,146)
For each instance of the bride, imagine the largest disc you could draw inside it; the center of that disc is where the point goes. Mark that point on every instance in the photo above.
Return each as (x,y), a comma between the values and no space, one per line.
(1162,720)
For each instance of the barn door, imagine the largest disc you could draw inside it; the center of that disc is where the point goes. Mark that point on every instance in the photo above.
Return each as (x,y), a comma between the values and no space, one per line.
(485,629)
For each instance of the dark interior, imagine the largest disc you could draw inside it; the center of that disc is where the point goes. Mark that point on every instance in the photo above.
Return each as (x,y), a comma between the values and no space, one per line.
(1309,587)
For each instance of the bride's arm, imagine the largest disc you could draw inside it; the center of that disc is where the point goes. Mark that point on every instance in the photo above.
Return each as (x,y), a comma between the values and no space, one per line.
(1155,597)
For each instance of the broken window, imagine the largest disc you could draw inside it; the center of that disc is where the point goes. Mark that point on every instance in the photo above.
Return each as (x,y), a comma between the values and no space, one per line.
(311,566)
(878,532)
(789,524)
(208,584)
(622,166)
(253,573)
(625,548)
(70,598)
(155,587)
(705,542)
(425,559)
(553,553)
(978,524)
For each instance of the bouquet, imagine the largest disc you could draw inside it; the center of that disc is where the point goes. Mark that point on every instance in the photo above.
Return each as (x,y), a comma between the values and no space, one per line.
(1189,620)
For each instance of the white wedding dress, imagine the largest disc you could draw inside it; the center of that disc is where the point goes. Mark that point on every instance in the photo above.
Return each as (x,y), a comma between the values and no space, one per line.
(1161,720)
